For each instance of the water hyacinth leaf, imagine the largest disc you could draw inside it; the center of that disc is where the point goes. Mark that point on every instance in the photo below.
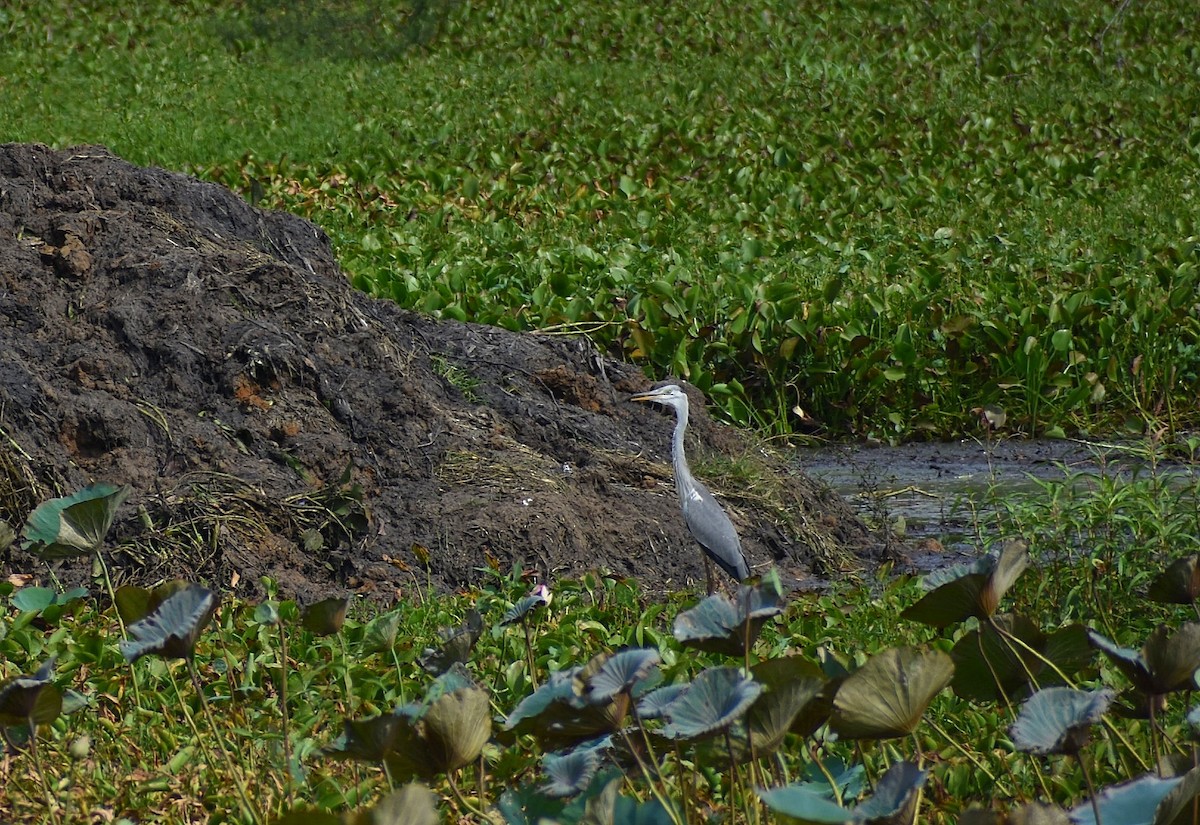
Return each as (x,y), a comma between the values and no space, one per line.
(267,613)
(540,596)
(964,591)
(895,796)
(326,617)
(1130,803)
(718,697)
(456,645)
(414,804)
(32,599)
(1179,806)
(308,816)
(1033,813)
(570,773)
(616,674)
(1058,719)
(888,695)
(31,698)
(172,629)
(655,703)
(74,525)
(456,728)
(379,636)
(1179,583)
(1037,813)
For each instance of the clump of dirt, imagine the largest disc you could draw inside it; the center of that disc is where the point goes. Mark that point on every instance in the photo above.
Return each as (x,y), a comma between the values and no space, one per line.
(160,332)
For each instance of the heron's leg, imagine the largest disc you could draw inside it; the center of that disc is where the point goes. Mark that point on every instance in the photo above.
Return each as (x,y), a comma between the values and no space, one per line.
(708,574)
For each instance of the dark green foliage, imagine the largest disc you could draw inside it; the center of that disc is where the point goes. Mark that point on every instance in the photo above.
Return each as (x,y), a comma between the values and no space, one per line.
(172,627)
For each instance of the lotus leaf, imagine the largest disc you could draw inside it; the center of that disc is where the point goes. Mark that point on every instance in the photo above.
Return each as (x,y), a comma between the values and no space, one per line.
(456,645)
(31,699)
(1057,719)
(964,591)
(1130,803)
(888,695)
(172,628)
(326,617)
(75,525)
(718,697)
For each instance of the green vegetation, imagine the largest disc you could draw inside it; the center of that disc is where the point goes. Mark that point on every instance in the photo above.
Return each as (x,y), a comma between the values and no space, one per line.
(898,701)
(880,217)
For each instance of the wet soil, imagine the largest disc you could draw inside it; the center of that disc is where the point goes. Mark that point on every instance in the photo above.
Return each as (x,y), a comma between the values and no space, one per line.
(159,332)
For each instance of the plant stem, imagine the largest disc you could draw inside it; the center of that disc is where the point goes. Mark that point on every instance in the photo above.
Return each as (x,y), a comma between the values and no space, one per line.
(284,720)
(462,800)
(1087,778)
(239,780)
(51,805)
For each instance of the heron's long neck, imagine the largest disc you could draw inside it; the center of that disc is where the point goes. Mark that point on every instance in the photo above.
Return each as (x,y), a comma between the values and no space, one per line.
(683,477)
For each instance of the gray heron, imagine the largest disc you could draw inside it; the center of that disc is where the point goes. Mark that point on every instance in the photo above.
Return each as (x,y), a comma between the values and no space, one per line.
(704,516)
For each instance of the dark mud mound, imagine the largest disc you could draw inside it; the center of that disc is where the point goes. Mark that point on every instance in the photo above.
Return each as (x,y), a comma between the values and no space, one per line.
(160,332)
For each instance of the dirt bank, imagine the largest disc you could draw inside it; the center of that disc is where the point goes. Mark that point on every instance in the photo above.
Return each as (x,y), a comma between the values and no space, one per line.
(160,332)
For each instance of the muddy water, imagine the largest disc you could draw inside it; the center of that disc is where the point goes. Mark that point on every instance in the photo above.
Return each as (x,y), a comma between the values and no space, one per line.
(941,493)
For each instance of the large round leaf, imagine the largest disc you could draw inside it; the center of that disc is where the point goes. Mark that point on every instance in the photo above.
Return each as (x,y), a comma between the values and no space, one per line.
(717,698)
(722,625)
(32,698)
(326,617)
(887,696)
(414,804)
(75,525)
(1000,657)
(1166,663)
(456,728)
(611,674)
(793,700)
(1180,804)
(962,591)
(570,773)
(1179,583)
(1130,803)
(172,629)
(1057,719)
(540,596)
(456,645)
(895,797)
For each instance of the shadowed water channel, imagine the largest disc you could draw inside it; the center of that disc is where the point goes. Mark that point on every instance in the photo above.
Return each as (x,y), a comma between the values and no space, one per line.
(943,494)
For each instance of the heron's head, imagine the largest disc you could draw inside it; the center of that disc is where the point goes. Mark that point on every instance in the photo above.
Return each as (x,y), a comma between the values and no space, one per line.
(670,395)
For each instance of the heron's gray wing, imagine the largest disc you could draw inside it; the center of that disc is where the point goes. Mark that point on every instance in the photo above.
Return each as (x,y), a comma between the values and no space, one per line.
(712,528)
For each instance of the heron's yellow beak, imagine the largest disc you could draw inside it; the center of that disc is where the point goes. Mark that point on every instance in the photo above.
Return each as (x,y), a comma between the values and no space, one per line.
(641,396)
